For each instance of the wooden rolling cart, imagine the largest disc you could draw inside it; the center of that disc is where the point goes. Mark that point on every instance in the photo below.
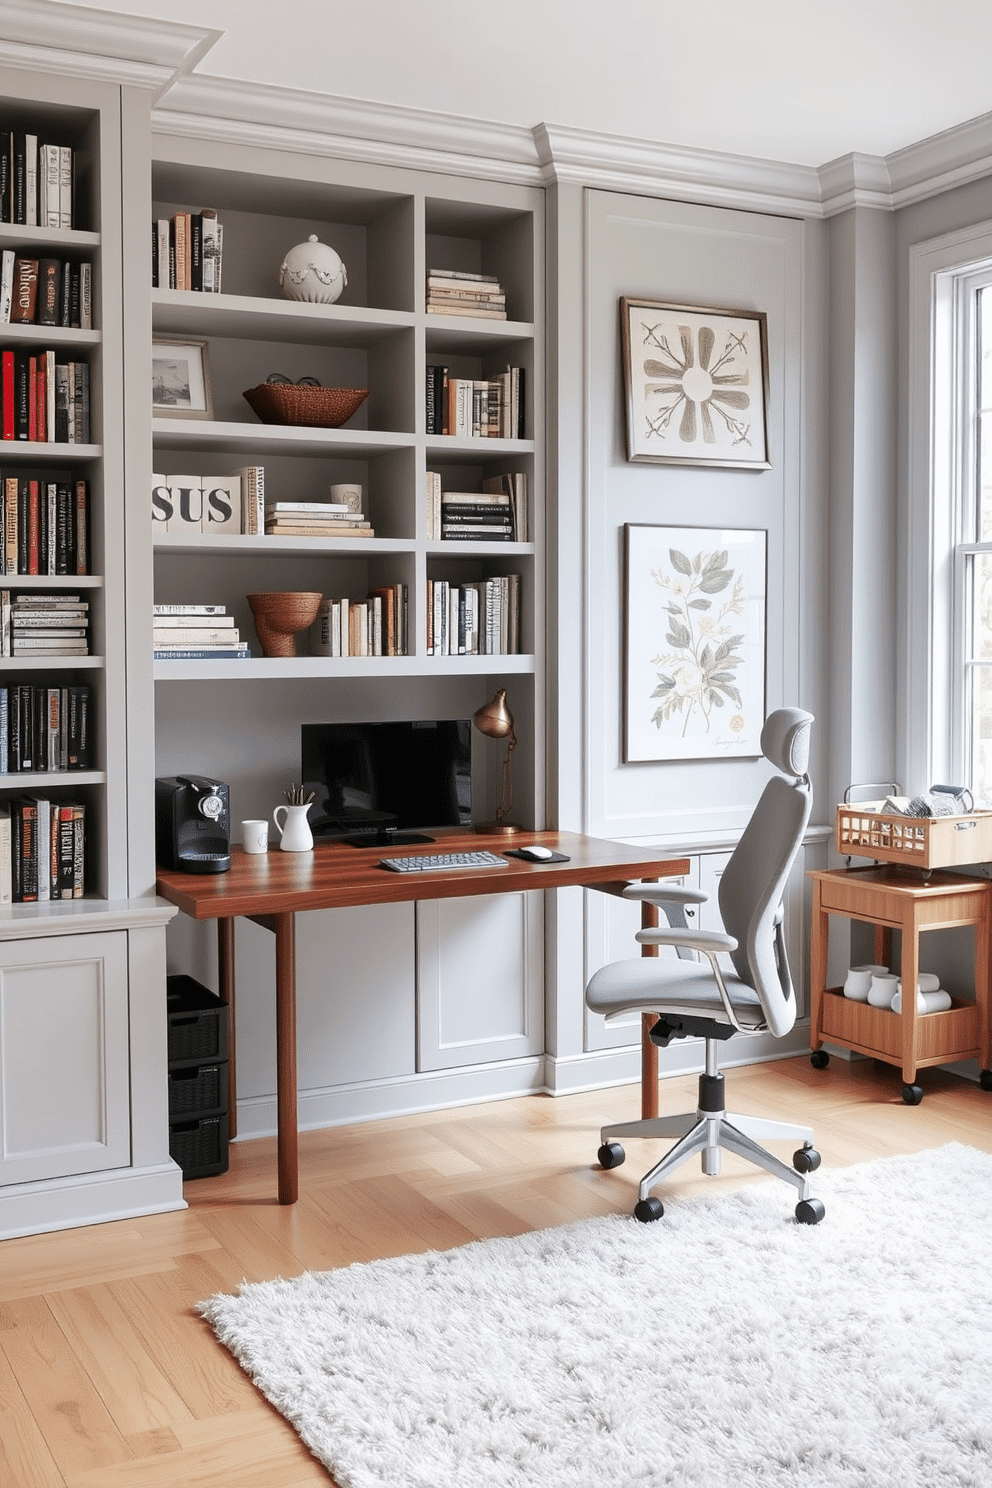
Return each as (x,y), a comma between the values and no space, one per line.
(908,890)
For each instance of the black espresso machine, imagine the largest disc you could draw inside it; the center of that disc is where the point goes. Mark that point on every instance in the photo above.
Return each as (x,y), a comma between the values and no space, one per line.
(192,824)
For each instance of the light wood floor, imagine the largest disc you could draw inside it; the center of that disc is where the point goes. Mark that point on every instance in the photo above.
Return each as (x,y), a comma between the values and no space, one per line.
(108,1378)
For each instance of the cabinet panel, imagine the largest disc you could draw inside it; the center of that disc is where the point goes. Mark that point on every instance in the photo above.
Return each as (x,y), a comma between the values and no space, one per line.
(64,1085)
(479,980)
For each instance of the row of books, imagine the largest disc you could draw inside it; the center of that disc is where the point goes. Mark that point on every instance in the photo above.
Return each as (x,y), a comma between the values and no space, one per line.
(376,626)
(42,849)
(496,513)
(210,505)
(44,524)
(43,397)
(39,625)
(196,632)
(187,250)
(453,292)
(46,730)
(480,408)
(317,519)
(474,619)
(36,181)
(45,291)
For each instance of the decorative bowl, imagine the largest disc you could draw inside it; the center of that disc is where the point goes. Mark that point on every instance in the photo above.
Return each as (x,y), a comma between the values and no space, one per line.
(280,616)
(315,407)
(312,271)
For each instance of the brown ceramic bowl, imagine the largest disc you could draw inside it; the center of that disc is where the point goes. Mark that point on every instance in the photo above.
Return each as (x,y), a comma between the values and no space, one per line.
(279,618)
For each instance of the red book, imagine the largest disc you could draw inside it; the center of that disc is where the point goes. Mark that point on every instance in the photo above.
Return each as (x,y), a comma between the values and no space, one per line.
(33,398)
(41,399)
(34,516)
(7,358)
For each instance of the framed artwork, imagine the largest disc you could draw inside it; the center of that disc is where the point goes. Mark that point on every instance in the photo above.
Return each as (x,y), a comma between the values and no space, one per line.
(694,643)
(180,379)
(697,385)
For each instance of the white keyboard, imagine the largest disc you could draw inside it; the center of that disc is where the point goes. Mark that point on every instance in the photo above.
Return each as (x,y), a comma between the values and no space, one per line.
(430,862)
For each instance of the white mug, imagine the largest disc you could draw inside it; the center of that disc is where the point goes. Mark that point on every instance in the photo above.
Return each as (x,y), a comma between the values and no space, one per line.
(937,1001)
(348,494)
(858,982)
(255,836)
(882,990)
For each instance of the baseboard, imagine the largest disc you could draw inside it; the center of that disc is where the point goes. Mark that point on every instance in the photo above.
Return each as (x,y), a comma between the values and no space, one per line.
(89,1198)
(405,1096)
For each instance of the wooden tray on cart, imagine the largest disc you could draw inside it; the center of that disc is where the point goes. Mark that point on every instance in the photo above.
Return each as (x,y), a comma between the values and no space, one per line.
(914,841)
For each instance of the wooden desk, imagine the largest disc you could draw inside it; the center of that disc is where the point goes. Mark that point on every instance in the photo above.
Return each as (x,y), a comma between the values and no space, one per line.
(893,899)
(270,888)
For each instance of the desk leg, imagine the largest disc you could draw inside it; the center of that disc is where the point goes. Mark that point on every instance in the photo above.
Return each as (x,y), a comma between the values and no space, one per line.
(649,1051)
(225,973)
(284,926)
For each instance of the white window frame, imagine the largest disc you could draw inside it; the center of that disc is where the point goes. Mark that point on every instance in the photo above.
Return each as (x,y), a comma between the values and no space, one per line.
(940,492)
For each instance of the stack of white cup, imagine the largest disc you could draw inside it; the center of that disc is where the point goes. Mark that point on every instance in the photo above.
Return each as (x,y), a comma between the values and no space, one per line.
(881,988)
(930,997)
(858,983)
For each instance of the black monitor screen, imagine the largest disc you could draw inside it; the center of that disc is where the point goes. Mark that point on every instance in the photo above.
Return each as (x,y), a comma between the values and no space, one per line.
(372,780)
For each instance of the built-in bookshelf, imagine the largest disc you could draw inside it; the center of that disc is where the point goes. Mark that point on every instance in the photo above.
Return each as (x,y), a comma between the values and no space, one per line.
(383,333)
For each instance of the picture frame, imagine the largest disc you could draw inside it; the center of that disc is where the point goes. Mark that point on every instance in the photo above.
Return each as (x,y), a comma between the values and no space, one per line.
(694,663)
(696,384)
(181,378)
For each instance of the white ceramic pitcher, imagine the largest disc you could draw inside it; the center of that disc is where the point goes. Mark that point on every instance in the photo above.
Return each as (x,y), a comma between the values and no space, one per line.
(294,831)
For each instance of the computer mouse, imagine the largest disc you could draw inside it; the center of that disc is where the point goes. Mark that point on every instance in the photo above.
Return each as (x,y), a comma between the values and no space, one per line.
(536,854)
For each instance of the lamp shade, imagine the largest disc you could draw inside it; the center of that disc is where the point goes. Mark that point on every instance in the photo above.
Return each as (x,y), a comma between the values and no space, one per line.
(495,719)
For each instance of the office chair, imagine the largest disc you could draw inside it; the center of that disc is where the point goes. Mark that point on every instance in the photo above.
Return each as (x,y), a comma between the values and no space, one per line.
(697,998)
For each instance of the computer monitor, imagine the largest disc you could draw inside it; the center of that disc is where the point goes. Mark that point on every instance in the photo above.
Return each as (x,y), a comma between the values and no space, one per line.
(376,784)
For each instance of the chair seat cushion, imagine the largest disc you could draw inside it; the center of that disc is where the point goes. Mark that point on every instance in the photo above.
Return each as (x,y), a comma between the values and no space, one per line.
(656,985)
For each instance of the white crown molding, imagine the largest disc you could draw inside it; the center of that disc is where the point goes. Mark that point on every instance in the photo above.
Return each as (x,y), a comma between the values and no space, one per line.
(71,41)
(956,157)
(317,124)
(614,163)
(854,181)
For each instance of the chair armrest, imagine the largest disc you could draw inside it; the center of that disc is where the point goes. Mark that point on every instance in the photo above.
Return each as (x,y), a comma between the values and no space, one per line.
(662,893)
(709,942)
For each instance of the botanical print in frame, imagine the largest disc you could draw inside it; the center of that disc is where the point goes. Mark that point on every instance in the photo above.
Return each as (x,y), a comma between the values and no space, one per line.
(180,379)
(696,383)
(694,643)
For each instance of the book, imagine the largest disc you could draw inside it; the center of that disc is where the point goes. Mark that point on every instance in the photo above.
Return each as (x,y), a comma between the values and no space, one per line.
(188,609)
(202,653)
(164,271)
(316,529)
(210,251)
(66,181)
(6,894)
(25,292)
(163,616)
(49,297)
(6,143)
(7,260)
(166,638)
(252,499)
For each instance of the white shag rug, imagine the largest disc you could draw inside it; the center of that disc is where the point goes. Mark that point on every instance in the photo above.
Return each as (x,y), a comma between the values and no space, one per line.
(723,1346)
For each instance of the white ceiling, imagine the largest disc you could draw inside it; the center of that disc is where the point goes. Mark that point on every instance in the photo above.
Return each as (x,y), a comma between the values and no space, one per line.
(777,79)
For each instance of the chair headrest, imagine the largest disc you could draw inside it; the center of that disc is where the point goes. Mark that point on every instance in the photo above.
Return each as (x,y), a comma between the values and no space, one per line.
(785,740)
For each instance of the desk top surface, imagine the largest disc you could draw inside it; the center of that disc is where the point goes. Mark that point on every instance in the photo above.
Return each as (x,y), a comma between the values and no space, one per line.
(335,875)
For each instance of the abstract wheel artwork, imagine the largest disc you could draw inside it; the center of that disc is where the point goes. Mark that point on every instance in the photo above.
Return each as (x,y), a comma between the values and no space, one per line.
(696,384)
(694,647)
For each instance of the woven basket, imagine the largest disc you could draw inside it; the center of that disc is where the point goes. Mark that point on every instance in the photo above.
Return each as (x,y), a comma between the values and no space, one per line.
(317,408)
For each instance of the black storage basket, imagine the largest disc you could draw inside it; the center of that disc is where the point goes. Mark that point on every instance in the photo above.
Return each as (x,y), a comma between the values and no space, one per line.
(197,1022)
(197,1090)
(200,1147)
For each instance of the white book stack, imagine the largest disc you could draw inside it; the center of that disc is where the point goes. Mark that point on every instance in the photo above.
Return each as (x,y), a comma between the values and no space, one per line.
(196,633)
(455,292)
(316,519)
(41,625)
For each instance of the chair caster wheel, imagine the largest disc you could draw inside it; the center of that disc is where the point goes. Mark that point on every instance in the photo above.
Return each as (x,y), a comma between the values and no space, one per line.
(809,1211)
(806,1160)
(912,1094)
(985,1079)
(611,1155)
(819,1059)
(647,1210)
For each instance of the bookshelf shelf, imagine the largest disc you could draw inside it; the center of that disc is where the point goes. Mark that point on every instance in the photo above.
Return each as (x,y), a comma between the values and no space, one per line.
(43,336)
(38,237)
(302,547)
(261,668)
(243,317)
(274,439)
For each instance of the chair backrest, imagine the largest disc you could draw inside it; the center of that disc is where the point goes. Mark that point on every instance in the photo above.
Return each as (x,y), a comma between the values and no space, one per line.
(753,883)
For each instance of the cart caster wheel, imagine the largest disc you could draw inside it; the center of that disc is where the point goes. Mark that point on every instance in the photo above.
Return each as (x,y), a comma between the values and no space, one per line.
(819,1059)
(806,1160)
(809,1211)
(647,1210)
(912,1094)
(985,1079)
(611,1155)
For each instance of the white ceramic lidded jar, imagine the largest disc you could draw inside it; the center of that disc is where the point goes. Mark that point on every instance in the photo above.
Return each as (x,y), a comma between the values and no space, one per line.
(313,271)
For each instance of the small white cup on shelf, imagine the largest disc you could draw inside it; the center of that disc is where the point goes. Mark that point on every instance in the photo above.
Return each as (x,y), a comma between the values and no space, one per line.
(882,989)
(857,984)
(936,1001)
(255,836)
(927,981)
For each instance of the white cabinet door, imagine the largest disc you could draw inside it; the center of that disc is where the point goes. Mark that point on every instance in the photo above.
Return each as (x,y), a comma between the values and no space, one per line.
(480,982)
(64,1082)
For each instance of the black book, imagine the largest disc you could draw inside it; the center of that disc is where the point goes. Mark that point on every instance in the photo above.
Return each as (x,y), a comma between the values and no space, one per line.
(27,814)
(65,557)
(66,850)
(14,730)
(65,296)
(49,301)
(15,851)
(155,255)
(61,403)
(78,731)
(196,251)
(26,711)
(5,148)
(74,303)
(19,177)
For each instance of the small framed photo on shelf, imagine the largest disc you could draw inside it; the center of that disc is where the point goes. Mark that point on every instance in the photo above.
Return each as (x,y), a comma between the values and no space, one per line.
(181,379)
(694,643)
(696,382)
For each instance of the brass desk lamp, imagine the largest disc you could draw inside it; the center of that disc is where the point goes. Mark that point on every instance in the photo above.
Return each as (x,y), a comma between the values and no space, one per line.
(496,721)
